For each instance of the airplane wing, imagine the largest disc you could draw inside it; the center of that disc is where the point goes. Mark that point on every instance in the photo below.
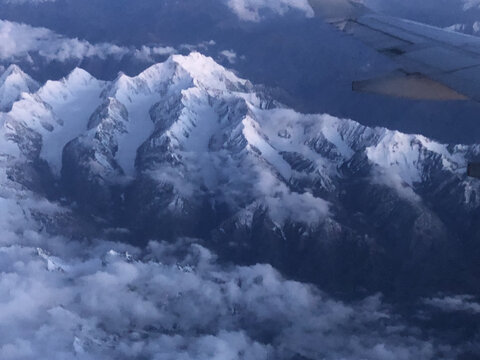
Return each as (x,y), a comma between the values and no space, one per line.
(434,64)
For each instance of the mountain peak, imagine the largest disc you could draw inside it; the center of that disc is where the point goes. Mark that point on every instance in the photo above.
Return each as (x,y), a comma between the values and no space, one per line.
(79,75)
(184,71)
(203,69)
(14,82)
(13,69)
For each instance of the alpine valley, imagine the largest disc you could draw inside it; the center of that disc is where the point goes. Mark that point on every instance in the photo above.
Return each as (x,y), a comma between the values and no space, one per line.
(187,149)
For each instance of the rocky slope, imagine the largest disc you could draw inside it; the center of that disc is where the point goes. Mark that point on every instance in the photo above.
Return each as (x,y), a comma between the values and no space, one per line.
(188,149)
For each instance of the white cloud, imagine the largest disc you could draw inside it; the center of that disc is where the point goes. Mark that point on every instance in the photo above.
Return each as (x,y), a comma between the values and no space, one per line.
(455,303)
(251,10)
(20,41)
(469,4)
(230,55)
(148,53)
(203,45)
(107,300)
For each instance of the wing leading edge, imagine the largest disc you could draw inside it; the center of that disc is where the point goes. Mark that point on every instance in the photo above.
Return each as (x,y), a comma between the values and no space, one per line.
(434,64)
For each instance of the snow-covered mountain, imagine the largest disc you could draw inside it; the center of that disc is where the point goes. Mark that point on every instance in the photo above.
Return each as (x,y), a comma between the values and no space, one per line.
(13,82)
(188,149)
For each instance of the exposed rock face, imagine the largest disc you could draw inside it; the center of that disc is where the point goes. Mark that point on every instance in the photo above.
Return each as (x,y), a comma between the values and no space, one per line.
(89,169)
(187,148)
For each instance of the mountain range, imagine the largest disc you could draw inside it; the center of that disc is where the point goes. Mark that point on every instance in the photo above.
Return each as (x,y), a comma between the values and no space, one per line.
(187,149)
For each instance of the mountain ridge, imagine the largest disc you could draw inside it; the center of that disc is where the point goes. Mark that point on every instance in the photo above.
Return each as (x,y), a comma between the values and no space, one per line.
(188,149)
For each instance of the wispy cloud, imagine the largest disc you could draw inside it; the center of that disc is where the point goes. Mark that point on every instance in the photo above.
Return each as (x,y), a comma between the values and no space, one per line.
(230,55)
(455,303)
(253,10)
(20,42)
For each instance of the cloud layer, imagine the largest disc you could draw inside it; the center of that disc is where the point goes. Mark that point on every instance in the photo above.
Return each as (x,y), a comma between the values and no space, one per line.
(18,42)
(106,300)
(458,303)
